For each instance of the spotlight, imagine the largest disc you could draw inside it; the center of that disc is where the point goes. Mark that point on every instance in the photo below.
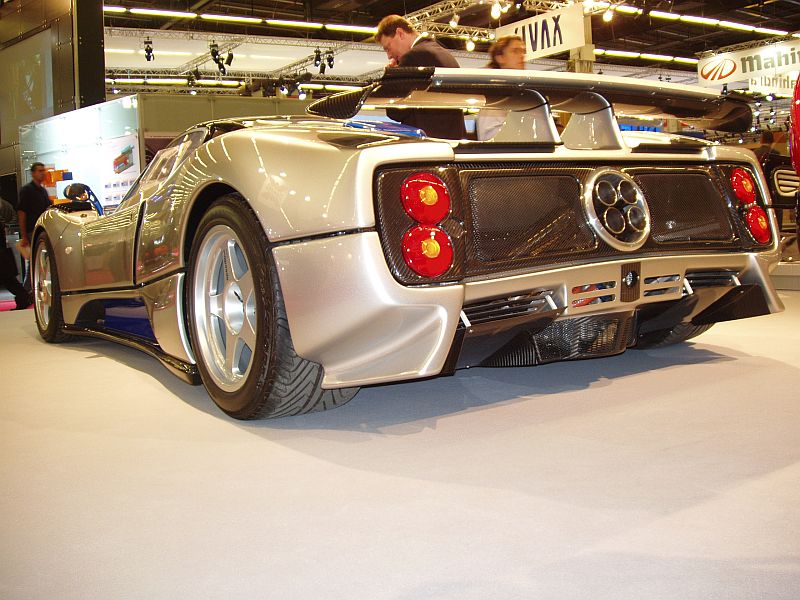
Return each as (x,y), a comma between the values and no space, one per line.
(608,15)
(283,88)
(115,90)
(322,69)
(222,69)
(301,94)
(496,11)
(317,57)
(470,45)
(724,89)
(214,49)
(229,58)
(193,92)
(454,20)
(197,74)
(769,97)
(329,59)
(148,50)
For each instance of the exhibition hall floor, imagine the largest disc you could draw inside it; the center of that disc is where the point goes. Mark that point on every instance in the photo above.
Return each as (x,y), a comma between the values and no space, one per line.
(659,474)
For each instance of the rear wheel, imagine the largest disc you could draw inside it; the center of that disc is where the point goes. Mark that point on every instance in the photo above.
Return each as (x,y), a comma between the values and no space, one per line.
(47,292)
(676,335)
(238,323)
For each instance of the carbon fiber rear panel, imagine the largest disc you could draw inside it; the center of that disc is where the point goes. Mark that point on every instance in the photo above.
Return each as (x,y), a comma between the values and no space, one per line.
(582,337)
(514,216)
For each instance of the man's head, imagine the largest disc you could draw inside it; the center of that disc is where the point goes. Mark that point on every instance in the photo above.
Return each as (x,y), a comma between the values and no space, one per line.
(396,36)
(38,172)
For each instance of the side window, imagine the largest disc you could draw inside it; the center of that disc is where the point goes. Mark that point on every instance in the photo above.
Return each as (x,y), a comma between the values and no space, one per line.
(165,162)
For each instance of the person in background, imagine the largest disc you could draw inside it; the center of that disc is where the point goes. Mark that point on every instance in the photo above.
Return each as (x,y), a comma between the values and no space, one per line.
(8,263)
(507,52)
(407,48)
(767,145)
(33,201)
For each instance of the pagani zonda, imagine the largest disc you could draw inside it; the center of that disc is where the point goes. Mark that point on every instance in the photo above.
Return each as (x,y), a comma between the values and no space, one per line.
(284,262)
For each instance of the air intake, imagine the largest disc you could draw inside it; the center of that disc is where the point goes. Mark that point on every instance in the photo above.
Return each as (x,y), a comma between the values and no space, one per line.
(786,181)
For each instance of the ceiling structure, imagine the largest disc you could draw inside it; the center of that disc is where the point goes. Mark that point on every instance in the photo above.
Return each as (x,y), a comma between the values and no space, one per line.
(631,31)
(266,51)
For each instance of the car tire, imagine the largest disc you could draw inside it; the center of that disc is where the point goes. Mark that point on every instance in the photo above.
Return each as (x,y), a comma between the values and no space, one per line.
(667,337)
(47,292)
(237,322)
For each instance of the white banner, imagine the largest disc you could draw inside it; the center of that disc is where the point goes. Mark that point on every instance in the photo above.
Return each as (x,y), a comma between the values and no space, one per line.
(769,61)
(549,33)
(782,85)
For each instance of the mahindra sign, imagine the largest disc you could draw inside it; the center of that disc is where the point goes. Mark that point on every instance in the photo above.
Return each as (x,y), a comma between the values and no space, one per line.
(728,67)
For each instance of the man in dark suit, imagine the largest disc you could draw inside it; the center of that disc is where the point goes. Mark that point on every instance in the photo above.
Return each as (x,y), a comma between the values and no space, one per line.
(406,48)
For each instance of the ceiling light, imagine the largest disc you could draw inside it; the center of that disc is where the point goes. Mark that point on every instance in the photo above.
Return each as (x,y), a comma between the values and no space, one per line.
(163,13)
(301,94)
(119,51)
(699,20)
(768,31)
(114,9)
(454,19)
(661,57)
(231,18)
(148,50)
(329,59)
(351,28)
(129,80)
(630,10)
(496,11)
(664,15)
(470,46)
(734,25)
(622,53)
(687,61)
(608,15)
(300,24)
(335,87)
(317,57)
(167,81)
(223,82)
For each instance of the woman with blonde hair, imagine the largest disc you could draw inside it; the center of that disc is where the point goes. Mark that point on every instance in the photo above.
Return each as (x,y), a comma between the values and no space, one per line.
(507,52)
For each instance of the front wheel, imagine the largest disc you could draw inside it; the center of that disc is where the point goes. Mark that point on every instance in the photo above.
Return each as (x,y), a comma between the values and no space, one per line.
(238,325)
(47,292)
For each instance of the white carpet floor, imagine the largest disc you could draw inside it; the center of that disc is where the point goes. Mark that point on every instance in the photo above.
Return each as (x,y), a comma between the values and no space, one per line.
(661,474)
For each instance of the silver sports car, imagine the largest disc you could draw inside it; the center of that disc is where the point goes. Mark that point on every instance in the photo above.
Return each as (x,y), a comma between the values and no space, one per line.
(285,261)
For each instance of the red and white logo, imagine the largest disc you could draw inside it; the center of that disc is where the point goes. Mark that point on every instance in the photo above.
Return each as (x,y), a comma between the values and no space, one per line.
(718,69)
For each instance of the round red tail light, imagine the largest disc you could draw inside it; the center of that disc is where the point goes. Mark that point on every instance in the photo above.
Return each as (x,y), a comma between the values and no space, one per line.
(758,224)
(425,198)
(743,186)
(427,250)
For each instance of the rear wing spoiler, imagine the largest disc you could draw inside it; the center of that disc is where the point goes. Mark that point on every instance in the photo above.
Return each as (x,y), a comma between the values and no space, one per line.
(532,91)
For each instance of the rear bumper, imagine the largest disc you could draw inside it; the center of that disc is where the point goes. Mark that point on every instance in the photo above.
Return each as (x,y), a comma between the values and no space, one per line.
(348,313)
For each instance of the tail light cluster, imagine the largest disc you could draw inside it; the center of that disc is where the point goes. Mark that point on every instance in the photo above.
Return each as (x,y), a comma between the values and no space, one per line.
(427,249)
(753,215)
(420,225)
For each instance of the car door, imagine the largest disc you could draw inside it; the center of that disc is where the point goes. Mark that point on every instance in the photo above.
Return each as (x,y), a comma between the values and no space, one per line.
(109,244)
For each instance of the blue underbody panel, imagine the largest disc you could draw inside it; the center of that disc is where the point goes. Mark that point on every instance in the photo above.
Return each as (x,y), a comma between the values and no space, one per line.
(128,316)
